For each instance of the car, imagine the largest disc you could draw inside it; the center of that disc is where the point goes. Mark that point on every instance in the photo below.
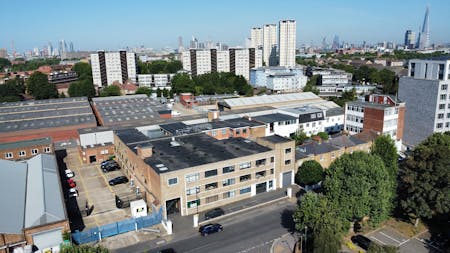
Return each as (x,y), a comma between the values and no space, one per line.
(210,229)
(69,173)
(71,183)
(110,167)
(108,163)
(73,193)
(168,250)
(118,180)
(361,241)
(216,212)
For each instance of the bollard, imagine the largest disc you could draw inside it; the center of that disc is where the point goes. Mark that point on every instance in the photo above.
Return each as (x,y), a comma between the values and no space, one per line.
(289,192)
(195,217)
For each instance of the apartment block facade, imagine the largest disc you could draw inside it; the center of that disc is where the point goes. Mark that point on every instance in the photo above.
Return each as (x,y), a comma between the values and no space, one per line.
(155,80)
(426,93)
(110,67)
(287,42)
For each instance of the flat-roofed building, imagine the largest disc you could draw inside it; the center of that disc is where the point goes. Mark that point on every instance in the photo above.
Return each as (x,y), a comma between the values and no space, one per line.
(23,150)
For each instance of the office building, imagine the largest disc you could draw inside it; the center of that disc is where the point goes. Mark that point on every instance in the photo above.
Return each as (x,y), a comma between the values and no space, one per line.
(270,45)
(256,37)
(410,39)
(426,93)
(424,36)
(278,79)
(3,53)
(110,67)
(287,42)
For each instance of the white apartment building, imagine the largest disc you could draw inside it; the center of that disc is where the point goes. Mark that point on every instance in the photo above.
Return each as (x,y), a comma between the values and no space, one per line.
(334,120)
(287,41)
(426,93)
(278,124)
(310,120)
(278,78)
(109,67)
(154,80)
(270,44)
(256,37)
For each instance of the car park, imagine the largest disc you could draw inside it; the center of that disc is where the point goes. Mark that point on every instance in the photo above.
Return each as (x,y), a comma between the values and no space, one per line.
(361,241)
(210,229)
(71,183)
(216,212)
(69,173)
(118,180)
(73,193)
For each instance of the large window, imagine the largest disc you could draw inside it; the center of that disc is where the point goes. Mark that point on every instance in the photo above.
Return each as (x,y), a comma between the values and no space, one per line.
(192,177)
(227,169)
(260,174)
(211,173)
(229,194)
(228,181)
(245,178)
(212,198)
(193,203)
(260,162)
(211,186)
(172,181)
(287,151)
(244,190)
(193,190)
(245,165)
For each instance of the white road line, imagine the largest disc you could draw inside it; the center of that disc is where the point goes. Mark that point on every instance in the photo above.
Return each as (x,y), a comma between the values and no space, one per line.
(390,237)
(404,242)
(377,240)
(429,244)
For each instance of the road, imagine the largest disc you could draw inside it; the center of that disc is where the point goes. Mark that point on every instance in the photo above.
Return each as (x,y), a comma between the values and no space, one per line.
(252,231)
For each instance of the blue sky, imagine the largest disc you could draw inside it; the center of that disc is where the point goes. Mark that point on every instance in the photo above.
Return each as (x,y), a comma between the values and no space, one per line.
(113,24)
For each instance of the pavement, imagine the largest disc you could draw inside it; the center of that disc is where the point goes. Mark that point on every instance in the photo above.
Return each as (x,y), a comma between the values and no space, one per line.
(284,244)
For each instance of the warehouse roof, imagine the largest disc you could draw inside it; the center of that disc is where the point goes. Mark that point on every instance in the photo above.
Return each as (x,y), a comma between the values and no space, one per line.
(275,117)
(271,99)
(27,143)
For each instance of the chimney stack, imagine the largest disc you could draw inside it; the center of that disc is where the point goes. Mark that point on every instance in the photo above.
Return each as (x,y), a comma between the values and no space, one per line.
(213,114)
(144,151)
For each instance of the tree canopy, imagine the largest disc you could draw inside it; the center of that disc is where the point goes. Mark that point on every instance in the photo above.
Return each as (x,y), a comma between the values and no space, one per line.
(4,63)
(82,88)
(159,67)
(83,249)
(425,177)
(39,87)
(144,90)
(11,91)
(310,172)
(326,241)
(34,64)
(83,70)
(385,148)
(299,137)
(111,90)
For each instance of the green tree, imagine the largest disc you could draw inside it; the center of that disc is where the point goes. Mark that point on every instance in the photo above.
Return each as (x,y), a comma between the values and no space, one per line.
(385,148)
(165,93)
(111,90)
(311,85)
(425,177)
(83,249)
(83,70)
(11,91)
(310,172)
(360,186)
(82,88)
(34,64)
(376,248)
(182,83)
(300,137)
(323,135)
(158,92)
(4,63)
(144,90)
(39,87)
(326,241)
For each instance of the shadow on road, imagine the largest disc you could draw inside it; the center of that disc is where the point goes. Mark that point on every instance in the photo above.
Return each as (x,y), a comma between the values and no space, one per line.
(287,220)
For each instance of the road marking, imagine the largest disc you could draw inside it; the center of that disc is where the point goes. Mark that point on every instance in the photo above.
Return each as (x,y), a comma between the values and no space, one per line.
(378,240)
(429,244)
(404,242)
(390,237)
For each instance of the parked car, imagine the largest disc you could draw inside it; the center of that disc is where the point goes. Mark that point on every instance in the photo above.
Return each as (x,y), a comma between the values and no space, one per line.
(118,180)
(168,250)
(216,212)
(108,163)
(210,229)
(69,173)
(110,167)
(361,241)
(71,183)
(73,193)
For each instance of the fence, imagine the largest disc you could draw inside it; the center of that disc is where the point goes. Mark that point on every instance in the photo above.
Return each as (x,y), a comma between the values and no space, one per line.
(97,233)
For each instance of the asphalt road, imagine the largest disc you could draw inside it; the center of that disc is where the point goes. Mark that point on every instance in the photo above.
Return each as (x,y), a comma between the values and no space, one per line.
(252,231)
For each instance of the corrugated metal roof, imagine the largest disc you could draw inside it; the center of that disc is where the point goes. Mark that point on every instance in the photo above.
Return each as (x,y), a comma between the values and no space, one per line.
(267,100)
(27,143)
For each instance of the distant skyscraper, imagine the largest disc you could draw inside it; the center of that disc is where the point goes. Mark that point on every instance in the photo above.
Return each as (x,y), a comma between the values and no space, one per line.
(410,39)
(287,42)
(50,49)
(270,44)
(194,43)
(3,53)
(71,47)
(324,43)
(256,37)
(180,44)
(424,37)
(335,43)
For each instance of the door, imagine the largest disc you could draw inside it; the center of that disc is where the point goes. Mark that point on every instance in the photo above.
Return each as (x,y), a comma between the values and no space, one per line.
(92,159)
(262,187)
(287,179)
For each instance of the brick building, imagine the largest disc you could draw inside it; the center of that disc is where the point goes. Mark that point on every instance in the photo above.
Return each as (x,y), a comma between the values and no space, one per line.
(23,150)
(33,210)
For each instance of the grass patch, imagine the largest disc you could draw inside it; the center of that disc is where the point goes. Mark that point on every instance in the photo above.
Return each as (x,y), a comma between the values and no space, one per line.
(406,228)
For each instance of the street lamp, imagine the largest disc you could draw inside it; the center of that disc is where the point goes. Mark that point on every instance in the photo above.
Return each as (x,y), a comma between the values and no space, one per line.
(306,236)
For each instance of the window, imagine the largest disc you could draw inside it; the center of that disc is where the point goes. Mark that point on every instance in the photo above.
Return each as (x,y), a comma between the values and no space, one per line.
(192,191)
(193,203)
(224,131)
(444,87)
(260,162)
(22,153)
(229,194)
(287,151)
(245,165)
(212,198)
(104,152)
(245,178)
(214,133)
(244,131)
(313,116)
(47,150)
(321,157)
(34,151)
(238,131)
(228,169)
(192,177)
(211,173)
(228,181)
(439,125)
(9,155)
(440,116)
(244,190)
(172,181)
(441,106)
(332,155)
(272,171)
(260,174)
(441,72)
(272,159)
(211,186)
(443,97)
(448,115)
(447,124)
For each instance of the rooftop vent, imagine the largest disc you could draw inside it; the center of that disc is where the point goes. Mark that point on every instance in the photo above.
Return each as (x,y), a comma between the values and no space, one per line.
(174,143)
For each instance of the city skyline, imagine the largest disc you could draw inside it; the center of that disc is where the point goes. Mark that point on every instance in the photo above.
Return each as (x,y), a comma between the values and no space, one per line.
(157,25)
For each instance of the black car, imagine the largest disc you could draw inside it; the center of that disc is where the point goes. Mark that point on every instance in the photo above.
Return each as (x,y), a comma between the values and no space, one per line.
(118,180)
(216,212)
(110,167)
(361,241)
(210,228)
(108,163)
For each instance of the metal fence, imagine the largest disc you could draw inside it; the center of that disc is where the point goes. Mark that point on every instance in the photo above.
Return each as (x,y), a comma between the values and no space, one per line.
(97,233)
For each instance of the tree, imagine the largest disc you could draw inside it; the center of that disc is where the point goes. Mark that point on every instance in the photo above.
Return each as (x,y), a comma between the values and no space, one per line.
(299,137)
(144,90)
(39,87)
(360,186)
(310,172)
(385,148)
(11,91)
(425,177)
(4,63)
(82,88)
(326,241)
(323,135)
(111,90)
(158,92)
(376,248)
(83,69)
(83,249)
(311,85)
(165,93)
(182,83)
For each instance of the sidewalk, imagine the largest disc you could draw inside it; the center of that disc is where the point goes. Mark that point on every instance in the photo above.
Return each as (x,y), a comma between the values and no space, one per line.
(284,244)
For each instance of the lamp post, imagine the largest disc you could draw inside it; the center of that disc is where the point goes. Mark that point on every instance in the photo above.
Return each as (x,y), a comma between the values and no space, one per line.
(306,236)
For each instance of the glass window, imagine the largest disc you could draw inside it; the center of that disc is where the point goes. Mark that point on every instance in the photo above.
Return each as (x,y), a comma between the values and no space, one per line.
(172,181)
(443,97)
(229,194)
(244,190)
(245,165)
(260,174)
(211,173)
(192,191)
(440,116)
(211,186)
(224,131)
(229,181)
(34,151)
(272,159)
(287,162)
(245,178)
(192,177)
(260,162)
(444,87)
(47,150)
(287,151)
(22,153)
(214,133)
(9,155)
(193,203)
(441,106)
(439,125)
(228,169)
(212,198)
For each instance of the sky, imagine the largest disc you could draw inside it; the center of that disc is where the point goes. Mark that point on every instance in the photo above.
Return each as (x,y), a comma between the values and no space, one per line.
(115,24)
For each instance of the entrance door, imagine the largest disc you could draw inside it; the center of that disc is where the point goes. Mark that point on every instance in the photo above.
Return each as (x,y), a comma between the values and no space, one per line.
(262,187)
(173,206)
(92,159)
(287,179)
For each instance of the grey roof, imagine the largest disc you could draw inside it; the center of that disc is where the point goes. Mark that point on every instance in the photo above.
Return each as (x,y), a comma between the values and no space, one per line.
(335,112)
(173,127)
(12,196)
(369,104)
(25,115)
(271,99)
(313,148)
(343,141)
(31,194)
(275,117)
(27,143)
(242,122)
(276,139)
